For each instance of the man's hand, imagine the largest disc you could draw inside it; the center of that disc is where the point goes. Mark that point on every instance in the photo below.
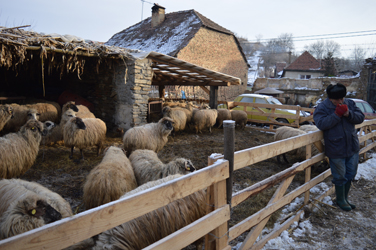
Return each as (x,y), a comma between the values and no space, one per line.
(341,110)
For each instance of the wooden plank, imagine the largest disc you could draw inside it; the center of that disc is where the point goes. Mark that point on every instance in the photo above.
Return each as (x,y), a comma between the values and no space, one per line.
(253,220)
(193,231)
(82,226)
(366,123)
(220,233)
(253,155)
(255,232)
(365,149)
(205,90)
(244,194)
(277,231)
(307,176)
(367,136)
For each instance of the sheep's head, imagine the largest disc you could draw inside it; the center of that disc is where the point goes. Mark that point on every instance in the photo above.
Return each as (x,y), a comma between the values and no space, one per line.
(32,211)
(33,114)
(49,125)
(167,123)
(166,111)
(70,105)
(79,123)
(35,127)
(185,165)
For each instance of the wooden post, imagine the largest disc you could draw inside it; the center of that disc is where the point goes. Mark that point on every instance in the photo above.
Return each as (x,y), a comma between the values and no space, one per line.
(229,149)
(213,102)
(162,91)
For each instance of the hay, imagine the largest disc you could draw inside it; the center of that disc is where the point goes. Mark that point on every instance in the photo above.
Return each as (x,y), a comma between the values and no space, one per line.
(58,52)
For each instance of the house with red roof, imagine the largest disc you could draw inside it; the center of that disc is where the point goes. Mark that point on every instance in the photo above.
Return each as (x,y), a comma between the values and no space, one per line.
(304,67)
(191,37)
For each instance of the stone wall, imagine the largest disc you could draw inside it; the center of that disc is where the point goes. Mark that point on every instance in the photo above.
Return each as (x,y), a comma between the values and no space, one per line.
(303,92)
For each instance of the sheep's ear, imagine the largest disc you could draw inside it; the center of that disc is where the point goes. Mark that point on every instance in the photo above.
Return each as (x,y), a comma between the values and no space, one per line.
(73,107)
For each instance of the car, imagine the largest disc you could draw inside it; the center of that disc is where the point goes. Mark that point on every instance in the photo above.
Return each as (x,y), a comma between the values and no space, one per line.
(264,99)
(365,107)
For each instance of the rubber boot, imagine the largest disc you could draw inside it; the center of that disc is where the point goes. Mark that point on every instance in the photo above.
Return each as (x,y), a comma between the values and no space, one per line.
(347,188)
(340,197)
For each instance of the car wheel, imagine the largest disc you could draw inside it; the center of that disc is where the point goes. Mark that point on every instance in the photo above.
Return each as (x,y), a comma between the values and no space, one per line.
(282,120)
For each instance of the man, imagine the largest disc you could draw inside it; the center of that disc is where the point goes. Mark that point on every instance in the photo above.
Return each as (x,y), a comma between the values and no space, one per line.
(336,117)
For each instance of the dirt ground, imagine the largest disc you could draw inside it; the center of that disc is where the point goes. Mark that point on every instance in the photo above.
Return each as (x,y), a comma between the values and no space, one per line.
(66,177)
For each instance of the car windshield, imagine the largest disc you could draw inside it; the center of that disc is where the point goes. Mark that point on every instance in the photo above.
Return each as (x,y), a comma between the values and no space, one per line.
(274,101)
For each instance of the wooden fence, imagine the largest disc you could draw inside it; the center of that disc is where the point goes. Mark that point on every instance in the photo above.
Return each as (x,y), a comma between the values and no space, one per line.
(256,109)
(214,226)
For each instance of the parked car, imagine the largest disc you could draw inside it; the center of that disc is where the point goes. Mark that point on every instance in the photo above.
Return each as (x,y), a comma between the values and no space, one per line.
(264,99)
(365,107)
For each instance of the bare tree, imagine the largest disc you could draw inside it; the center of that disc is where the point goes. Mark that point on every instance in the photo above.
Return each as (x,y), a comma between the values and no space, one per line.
(321,48)
(358,56)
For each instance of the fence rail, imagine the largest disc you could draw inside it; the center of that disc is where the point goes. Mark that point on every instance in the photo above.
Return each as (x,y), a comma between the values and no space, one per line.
(79,227)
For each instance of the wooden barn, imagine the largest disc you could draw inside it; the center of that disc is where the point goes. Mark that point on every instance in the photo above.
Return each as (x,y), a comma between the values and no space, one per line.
(192,37)
(113,82)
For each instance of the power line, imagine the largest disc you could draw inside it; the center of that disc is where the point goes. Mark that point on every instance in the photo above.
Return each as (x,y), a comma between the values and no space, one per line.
(334,34)
(142,9)
(333,37)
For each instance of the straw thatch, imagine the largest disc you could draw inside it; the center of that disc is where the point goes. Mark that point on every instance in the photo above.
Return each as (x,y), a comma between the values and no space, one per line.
(67,55)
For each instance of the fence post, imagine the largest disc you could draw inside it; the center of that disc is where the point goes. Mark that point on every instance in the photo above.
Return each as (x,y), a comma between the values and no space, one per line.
(229,149)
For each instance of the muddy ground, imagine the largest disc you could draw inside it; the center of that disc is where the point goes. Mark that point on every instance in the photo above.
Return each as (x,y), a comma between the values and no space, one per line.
(66,177)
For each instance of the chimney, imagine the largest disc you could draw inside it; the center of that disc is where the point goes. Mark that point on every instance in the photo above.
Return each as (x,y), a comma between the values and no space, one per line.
(157,15)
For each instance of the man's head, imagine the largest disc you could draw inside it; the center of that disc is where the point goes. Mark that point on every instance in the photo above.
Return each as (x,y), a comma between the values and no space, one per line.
(336,93)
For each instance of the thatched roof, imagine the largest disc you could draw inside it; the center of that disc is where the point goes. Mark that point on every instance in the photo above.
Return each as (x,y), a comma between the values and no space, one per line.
(15,42)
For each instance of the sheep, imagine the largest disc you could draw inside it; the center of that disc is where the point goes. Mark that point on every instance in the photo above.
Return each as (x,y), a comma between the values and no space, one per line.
(6,113)
(21,114)
(223,114)
(153,226)
(205,118)
(240,117)
(84,133)
(27,205)
(179,117)
(47,111)
(148,167)
(151,136)
(82,111)
(286,132)
(56,134)
(110,179)
(309,128)
(18,151)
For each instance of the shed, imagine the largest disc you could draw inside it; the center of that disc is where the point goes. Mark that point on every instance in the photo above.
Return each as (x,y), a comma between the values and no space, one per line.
(115,80)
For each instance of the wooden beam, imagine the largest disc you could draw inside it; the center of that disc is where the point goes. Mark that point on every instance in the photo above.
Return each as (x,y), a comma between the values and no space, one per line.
(194,231)
(71,230)
(256,218)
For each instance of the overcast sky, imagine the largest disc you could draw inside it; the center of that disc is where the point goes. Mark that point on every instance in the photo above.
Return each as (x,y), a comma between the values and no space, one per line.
(99,20)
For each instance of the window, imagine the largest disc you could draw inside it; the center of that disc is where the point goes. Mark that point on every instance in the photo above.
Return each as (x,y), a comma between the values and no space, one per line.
(305,76)
(368,108)
(360,106)
(247,99)
(261,100)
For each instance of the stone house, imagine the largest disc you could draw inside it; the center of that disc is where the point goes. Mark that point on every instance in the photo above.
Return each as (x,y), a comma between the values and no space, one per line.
(189,36)
(116,81)
(304,67)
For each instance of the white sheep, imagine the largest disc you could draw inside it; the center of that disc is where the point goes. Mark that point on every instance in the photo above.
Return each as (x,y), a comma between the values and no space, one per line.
(56,134)
(18,151)
(223,114)
(309,128)
(151,227)
(81,110)
(21,114)
(204,119)
(151,136)
(48,111)
(286,132)
(6,113)
(110,179)
(27,205)
(83,133)
(148,167)
(240,117)
(179,117)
